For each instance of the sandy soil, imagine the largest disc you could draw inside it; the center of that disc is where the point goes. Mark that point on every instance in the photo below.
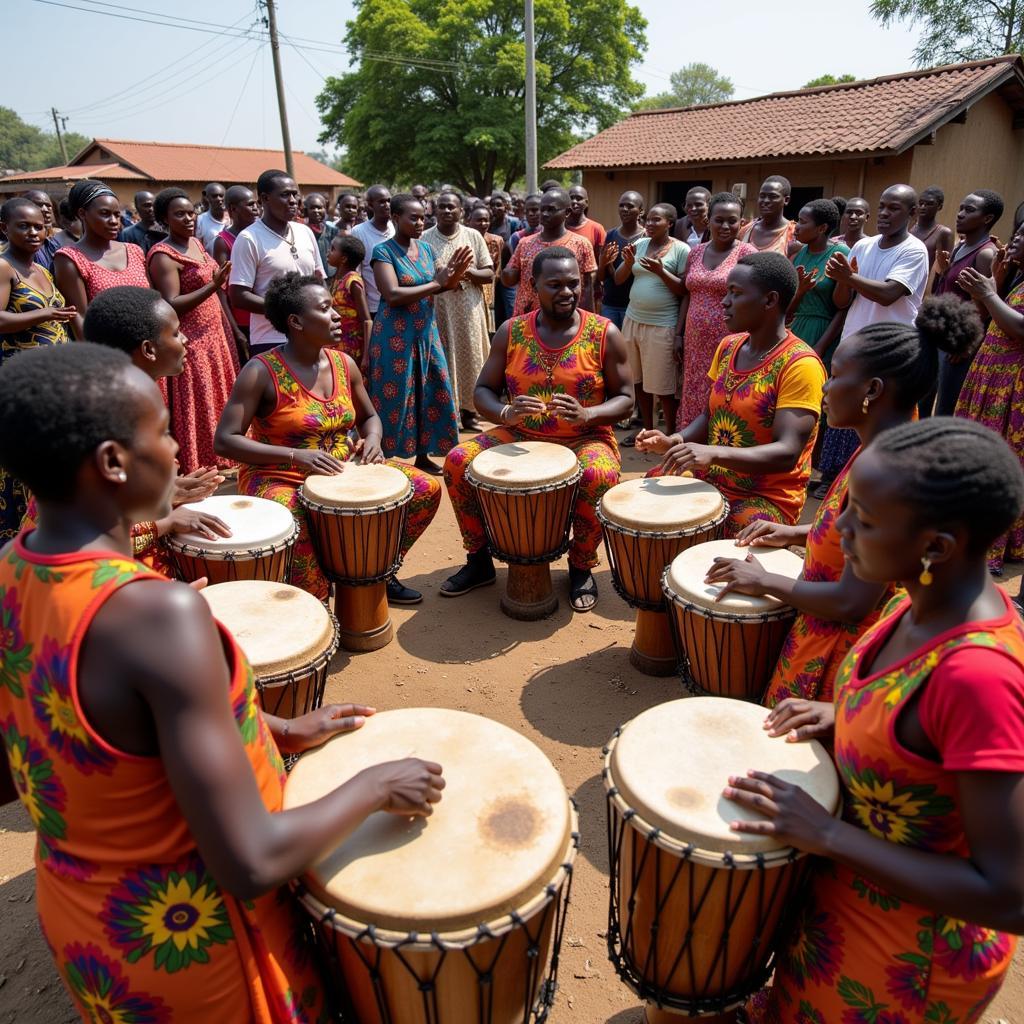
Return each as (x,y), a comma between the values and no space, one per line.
(565,683)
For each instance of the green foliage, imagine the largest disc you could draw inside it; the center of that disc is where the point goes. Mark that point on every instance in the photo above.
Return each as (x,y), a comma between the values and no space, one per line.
(958,30)
(828,80)
(438,88)
(695,83)
(24,147)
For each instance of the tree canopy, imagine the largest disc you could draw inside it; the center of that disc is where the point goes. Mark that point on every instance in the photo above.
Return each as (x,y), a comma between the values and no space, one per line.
(438,87)
(695,83)
(958,30)
(828,80)
(24,147)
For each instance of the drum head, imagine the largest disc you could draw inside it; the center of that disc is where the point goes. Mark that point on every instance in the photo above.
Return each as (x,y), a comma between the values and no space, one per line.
(255,523)
(492,843)
(524,464)
(671,763)
(688,569)
(279,628)
(358,487)
(662,504)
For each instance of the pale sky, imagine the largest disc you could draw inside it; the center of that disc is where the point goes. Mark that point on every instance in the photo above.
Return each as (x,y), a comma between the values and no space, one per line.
(125,79)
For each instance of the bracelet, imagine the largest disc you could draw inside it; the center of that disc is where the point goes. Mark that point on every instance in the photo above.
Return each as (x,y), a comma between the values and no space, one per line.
(504,412)
(291,456)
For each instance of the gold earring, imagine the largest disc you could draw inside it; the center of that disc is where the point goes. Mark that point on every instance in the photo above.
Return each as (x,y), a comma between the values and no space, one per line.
(864,405)
(926,578)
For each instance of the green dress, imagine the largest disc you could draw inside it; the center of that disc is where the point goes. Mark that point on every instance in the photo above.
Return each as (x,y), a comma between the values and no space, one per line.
(817,309)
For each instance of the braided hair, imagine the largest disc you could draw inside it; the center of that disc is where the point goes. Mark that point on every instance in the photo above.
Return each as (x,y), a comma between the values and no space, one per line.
(906,357)
(955,472)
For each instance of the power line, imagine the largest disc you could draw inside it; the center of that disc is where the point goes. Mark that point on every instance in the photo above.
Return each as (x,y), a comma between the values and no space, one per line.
(241,92)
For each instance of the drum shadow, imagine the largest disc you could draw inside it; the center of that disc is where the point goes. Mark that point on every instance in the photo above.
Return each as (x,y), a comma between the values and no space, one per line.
(631,1016)
(590,800)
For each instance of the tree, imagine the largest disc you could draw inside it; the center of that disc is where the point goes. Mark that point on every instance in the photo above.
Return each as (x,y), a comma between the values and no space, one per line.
(958,30)
(814,83)
(695,83)
(438,90)
(24,147)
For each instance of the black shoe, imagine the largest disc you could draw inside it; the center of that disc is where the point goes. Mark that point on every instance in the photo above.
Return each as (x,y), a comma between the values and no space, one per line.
(399,593)
(477,572)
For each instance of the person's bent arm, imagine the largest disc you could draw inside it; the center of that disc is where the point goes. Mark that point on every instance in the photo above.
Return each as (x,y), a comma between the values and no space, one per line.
(12,323)
(371,430)
(491,383)
(512,271)
(166,277)
(885,293)
(72,287)
(618,383)
(401,295)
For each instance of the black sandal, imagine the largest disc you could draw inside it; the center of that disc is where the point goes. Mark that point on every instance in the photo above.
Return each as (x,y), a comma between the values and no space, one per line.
(477,572)
(582,587)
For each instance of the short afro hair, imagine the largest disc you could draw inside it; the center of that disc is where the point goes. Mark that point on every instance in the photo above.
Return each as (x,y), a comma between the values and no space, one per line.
(954,472)
(10,209)
(991,203)
(550,255)
(722,198)
(933,192)
(265,182)
(75,398)
(667,210)
(163,201)
(284,297)
(772,272)
(124,317)
(824,211)
(787,189)
(840,204)
(401,201)
(351,248)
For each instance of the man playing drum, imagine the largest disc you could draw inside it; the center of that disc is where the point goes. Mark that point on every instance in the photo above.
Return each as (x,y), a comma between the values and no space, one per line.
(568,382)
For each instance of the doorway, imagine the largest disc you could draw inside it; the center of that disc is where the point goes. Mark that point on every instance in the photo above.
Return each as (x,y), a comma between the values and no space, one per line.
(800,197)
(674,192)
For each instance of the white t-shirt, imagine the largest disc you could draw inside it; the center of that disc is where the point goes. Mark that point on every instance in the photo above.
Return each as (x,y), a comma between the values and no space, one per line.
(907,263)
(371,238)
(259,255)
(207,229)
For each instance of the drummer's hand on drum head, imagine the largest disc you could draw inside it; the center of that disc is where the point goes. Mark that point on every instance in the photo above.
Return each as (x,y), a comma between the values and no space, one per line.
(767,534)
(565,407)
(653,441)
(410,786)
(190,520)
(309,731)
(316,462)
(686,456)
(790,815)
(368,451)
(523,406)
(196,486)
(740,576)
(798,719)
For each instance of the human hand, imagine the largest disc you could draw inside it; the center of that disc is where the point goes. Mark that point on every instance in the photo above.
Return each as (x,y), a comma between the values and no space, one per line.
(767,534)
(410,786)
(654,441)
(978,286)
(740,576)
(686,455)
(798,720)
(368,451)
(942,258)
(221,274)
(63,315)
(805,281)
(195,486)
(653,265)
(609,254)
(313,729)
(190,520)
(629,255)
(567,408)
(1000,266)
(312,460)
(451,276)
(839,268)
(523,406)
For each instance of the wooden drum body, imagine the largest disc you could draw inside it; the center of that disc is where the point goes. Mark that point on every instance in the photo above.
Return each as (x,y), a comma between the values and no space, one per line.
(727,648)
(456,918)
(527,492)
(263,534)
(356,520)
(697,911)
(646,523)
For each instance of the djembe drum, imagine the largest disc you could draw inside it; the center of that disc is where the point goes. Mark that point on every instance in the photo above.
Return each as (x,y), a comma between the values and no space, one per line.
(697,911)
(456,918)
(727,647)
(356,520)
(646,523)
(263,534)
(527,492)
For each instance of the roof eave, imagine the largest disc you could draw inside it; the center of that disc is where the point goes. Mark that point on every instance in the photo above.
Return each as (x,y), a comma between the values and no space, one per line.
(759,158)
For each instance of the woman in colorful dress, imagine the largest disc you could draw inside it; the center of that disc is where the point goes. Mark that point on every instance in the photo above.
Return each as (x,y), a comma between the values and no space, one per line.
(410,382)
(132,729)
(97,260)
(993,393)
(192,283)
(302,408)
(32,313)
(913,907)
(348,293)
(479,219)
(754,438)
(701,325)
(878,376)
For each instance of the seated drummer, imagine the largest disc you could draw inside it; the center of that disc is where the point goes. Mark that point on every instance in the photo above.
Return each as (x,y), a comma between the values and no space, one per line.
(304,403)
(754,440)
(568,381)
(130,723)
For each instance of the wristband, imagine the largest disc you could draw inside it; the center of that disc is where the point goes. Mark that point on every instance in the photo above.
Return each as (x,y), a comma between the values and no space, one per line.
(504,412)
(291,456)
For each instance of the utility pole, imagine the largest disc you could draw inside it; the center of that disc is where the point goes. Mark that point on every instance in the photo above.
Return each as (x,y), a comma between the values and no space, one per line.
(275,50)
(531,104)
(60,135)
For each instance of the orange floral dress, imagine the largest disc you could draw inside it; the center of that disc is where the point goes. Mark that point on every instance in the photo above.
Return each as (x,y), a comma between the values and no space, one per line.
(139,930)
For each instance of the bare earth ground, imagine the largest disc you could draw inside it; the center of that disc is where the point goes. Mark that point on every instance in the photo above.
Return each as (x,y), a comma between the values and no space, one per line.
(566,683)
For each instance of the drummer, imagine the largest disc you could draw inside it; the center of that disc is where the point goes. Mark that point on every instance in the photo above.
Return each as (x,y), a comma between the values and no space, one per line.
(754,439)
(567,377)
(131,723)
(883,371)
(919,909)
(309,413)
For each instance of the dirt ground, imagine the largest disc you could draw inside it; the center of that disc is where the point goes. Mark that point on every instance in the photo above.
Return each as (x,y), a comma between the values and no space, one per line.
(565,683)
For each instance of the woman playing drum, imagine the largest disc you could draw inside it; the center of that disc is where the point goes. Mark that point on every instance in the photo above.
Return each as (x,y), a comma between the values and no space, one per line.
(914,919)
(302,400)
(130,722)
(754,439)
(882,372)
(568,381)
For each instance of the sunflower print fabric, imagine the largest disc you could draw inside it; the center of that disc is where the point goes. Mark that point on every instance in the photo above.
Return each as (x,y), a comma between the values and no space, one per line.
(140,931)
(861,955)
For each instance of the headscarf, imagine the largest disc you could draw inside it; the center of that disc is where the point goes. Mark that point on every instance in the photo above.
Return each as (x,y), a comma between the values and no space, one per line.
(84,192)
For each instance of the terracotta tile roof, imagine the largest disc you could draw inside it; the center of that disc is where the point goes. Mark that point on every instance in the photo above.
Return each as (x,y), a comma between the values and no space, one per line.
(878,116)
(73,173)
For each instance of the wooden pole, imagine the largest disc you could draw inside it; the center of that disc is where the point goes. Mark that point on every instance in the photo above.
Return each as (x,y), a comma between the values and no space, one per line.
(60,135)
(531,103)
(275,50)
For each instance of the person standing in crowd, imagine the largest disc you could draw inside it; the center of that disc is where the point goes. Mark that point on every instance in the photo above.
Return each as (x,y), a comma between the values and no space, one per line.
(554,208)
(580,223)
(243,210)
(147,230)
(504,225)
(702,324)
(530,221)
(372,232)
(409,379)
(771,231)
(69,227)
(657,265)
(936,237)
(51,241)
(215,218)
(852,222)
(98,260)
(993,392)
(614,296)
(314,206)
(693,227)
(273,245)
(460,313)
(348,294)
(888,286)
(479,219)
(348,213)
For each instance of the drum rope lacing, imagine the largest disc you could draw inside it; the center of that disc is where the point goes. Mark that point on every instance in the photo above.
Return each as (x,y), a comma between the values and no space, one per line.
(264,558)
